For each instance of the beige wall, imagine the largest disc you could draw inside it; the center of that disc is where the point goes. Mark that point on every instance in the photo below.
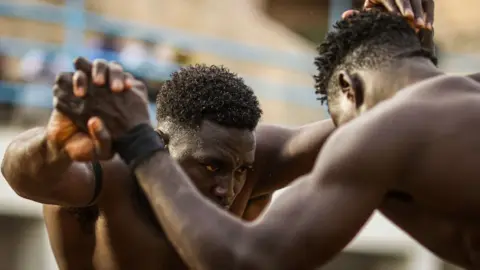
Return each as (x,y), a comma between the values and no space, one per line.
(456,24)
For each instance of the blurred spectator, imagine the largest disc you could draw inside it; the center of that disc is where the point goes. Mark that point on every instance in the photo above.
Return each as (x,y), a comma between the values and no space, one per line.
(38,69)
(6,94)
(136,53)
(106,47)
(38,66)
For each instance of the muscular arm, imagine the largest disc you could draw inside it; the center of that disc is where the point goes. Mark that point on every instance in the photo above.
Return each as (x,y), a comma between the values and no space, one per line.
(308,225)
(283,154)
(38,171)
(71,235)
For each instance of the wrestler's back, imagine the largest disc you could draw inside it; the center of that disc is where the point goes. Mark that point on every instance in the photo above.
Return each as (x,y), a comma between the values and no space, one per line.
(441,180)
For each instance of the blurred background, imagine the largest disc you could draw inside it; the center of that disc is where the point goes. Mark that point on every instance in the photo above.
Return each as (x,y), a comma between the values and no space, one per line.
(271,43)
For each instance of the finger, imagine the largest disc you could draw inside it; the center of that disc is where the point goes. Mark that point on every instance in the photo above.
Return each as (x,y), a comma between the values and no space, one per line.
(60,128)
(99,72)
(129,80)
(140,88)
(349,13)
(80,147)
(405,9)
(83,64)
(73,108)
(64,80)
(102,139)
(389,5)
(418,13)
(116,77)
(429,8)
(61,93)
(79,83)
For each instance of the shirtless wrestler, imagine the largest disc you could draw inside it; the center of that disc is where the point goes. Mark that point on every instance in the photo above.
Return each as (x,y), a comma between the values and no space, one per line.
(407,145)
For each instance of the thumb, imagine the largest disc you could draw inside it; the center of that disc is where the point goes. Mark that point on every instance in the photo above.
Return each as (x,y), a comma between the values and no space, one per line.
(101,138)
(80,147)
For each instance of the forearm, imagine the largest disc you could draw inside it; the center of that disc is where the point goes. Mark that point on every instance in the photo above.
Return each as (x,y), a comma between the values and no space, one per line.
(291,235)
(32,166)
(191,222)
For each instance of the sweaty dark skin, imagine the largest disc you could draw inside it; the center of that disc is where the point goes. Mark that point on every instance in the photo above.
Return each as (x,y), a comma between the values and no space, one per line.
(393,158)
(119,230)
(411,153)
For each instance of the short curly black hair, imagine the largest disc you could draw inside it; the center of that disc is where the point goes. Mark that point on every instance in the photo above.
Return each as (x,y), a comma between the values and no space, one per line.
(371,37)
(201,92)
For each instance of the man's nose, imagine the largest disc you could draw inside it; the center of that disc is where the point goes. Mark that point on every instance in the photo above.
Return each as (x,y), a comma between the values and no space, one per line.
(224,190)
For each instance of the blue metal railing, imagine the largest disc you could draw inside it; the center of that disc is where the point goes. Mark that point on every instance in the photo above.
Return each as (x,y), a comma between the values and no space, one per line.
(296,61)
(75,20)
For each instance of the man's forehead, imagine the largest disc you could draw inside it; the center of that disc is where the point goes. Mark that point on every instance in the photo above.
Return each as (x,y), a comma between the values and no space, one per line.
(210,131)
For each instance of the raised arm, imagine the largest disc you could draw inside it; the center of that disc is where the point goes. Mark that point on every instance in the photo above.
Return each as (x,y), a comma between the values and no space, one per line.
(306,227)
(312,222)
(37,170)
(283,154)
(52,165)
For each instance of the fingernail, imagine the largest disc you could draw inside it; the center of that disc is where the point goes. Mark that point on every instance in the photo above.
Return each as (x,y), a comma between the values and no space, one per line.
(409,13)
(79,91)
(117,85)
(99,79)
(420,22)
(97,125)
(129,82)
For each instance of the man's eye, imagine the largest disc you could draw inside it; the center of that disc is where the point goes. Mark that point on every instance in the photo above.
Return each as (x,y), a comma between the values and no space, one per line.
(243,169)
(211,168)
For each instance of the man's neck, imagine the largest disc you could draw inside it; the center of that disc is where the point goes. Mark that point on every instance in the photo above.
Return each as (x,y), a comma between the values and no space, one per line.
(408,71)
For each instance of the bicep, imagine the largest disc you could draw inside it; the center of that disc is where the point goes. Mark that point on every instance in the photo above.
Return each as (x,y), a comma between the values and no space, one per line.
(285,154)
(319,214)
(312,222)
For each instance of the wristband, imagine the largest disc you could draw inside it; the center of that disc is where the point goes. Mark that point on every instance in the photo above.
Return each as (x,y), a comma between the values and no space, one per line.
(138,144)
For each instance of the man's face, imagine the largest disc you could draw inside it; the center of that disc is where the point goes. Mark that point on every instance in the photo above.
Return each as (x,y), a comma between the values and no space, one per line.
(216,158)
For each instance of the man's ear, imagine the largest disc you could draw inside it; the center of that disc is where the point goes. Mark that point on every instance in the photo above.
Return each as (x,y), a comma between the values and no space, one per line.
(352,87)
(164,137)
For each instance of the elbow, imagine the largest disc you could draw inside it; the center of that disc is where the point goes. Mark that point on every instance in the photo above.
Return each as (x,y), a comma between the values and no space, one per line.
(14,180)
(17,181)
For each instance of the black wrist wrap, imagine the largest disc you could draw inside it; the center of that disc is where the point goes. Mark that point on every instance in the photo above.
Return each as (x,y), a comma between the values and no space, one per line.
(138,144)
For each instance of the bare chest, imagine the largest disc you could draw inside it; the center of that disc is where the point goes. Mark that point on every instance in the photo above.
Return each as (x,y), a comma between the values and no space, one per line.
(129,237)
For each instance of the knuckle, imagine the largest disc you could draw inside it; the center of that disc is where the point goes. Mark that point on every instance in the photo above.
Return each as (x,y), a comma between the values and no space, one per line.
(99,63)
(114,66)
(63,77)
